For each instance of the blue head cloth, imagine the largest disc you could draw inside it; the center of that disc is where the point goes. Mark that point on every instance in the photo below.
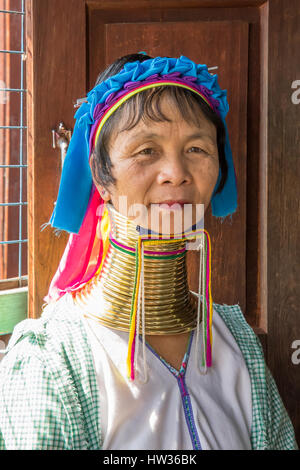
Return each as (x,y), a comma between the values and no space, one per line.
(76,179)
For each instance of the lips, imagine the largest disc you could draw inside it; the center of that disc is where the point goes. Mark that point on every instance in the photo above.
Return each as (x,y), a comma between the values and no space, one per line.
(173,205)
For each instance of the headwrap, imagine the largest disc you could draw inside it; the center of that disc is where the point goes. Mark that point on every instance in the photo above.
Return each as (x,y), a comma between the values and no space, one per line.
(79,206)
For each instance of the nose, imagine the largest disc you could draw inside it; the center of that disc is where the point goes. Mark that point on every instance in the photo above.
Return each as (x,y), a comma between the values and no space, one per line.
(173,170)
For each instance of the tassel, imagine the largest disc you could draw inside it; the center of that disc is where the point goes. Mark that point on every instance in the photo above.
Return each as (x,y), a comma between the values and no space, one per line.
(133,313)
(207,306)
(209,303)
(201,248)
(143,320)
(141,297)
(201,290)
(204,293)
(137,329)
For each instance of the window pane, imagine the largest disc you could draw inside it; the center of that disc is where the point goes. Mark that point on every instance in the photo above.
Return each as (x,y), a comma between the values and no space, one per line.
(13,181)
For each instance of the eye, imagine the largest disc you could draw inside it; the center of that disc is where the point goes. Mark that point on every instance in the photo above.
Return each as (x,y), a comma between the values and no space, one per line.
(146,151)
(196,150)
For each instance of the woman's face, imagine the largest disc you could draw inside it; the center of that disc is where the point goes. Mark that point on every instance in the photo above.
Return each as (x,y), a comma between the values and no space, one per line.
(164,169)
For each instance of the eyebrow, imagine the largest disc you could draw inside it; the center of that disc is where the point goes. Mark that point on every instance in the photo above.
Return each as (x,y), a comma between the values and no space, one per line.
(201,135)
(151,135)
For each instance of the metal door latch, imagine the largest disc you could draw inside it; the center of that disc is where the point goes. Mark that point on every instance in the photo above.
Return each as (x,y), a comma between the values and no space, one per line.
(61,138)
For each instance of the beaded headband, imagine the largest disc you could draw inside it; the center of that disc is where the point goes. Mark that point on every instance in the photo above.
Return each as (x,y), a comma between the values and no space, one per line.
(149,83)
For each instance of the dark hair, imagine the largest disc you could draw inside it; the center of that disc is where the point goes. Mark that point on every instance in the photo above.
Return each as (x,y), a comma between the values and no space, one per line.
(146,105)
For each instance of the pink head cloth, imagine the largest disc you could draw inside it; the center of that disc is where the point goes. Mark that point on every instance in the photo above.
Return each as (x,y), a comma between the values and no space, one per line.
(74,271)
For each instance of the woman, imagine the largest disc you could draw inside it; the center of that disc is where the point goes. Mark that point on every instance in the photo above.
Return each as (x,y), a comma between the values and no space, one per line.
(117,360)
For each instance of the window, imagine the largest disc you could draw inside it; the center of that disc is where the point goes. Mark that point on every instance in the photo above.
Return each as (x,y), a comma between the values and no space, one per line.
(13,166)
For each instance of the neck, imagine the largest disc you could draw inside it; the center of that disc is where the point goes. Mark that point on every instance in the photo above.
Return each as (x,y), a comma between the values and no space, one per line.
(168,306)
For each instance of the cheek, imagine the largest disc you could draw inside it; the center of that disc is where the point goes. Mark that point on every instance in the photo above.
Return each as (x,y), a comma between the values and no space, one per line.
(207,173)
(132,180)
(214,173)
(206,179)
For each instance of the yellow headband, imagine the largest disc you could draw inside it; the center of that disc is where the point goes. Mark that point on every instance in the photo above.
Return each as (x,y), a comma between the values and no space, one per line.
(134,92)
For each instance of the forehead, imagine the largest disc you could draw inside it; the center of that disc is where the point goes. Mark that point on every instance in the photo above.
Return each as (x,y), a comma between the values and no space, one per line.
(164,112)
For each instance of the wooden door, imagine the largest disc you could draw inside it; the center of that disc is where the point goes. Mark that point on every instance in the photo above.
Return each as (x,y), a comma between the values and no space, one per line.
(70,42)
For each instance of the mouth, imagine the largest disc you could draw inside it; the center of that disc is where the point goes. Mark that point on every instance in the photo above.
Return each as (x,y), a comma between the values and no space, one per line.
(172,204)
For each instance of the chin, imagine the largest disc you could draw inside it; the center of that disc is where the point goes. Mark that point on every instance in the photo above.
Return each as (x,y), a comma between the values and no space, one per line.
(171,222)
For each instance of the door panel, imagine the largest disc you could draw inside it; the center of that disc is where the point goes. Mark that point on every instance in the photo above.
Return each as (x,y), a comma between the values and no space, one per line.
(224,44)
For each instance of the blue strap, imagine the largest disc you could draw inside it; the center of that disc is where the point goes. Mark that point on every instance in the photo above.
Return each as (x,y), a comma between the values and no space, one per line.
(225,202)
(76,178)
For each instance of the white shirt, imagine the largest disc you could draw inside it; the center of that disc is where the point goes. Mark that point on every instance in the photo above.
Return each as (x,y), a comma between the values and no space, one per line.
(172,411)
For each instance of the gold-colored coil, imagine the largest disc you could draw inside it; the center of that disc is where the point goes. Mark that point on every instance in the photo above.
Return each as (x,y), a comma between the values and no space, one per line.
(169,306)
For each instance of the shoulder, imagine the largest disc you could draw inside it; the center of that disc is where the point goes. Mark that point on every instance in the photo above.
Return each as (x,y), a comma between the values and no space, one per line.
(242,332)
(30,405)
(46,366)
(241,336)
(58,329)
(232,318)
(271,425)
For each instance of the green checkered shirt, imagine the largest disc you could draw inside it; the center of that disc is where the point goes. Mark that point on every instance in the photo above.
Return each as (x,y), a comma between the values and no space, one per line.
(48,388)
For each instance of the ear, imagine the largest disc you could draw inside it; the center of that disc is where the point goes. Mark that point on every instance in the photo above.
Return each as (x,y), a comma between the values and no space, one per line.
(104,193)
